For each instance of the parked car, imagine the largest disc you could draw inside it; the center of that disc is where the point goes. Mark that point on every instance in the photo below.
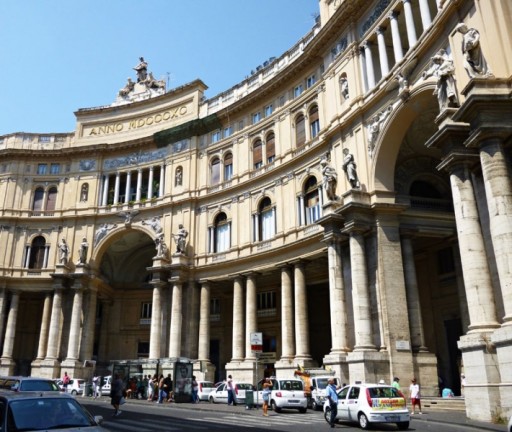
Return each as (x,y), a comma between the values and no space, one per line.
(22,384)
(31,411)
(286,393)
(205,388)
(220,393)
(75,386)
(368,404)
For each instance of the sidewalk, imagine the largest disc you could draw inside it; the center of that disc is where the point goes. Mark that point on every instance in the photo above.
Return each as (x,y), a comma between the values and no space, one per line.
(435,416)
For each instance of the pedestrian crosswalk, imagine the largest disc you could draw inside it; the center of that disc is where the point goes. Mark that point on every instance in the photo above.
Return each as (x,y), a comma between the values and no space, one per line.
(211,422)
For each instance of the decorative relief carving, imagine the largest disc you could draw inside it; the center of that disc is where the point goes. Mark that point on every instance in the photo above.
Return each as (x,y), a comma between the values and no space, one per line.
(135,159)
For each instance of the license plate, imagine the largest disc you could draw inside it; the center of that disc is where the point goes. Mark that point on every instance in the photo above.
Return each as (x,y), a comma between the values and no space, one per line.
(293,401)
(392,418)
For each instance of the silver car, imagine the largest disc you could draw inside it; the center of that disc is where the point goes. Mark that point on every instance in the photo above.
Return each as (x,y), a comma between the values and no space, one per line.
(35,411)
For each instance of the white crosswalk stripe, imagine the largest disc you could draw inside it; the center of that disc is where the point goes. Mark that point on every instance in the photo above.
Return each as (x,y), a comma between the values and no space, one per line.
(258,421)
(150,425)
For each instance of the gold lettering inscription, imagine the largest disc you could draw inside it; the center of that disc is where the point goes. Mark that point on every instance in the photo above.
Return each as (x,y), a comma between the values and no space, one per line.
(111,128)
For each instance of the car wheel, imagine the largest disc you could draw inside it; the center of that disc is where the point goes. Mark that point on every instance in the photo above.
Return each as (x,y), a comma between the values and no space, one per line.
(363,421)
(73,392)
(314,406)
(274,407)
(327,415)
(211,400)
(403,425)
(303,410)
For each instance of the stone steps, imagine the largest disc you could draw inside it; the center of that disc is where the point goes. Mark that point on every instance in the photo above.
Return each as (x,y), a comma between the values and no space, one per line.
(443,404)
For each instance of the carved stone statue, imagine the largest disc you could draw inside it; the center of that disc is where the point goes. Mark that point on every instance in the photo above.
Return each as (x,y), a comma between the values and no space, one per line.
(102,232)
(443,69)
(63,252)
(344,87)
(330,179)
(153,83)
(82,251)
(349,166)
(161,247)
(142,70)
(474,60)
(154,223)
(181,239)
(129,86)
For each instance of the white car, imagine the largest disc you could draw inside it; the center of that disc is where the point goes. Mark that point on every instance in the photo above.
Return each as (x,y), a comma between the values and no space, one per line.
(220,393)
(286,393)
(205,388)
(75,386)
(368,404)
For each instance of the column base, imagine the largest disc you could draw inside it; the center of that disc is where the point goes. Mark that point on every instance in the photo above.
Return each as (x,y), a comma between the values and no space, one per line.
(49,368)
(74,368)
(245,370)
(337,362)
(7,366)
(425,371)
(502,339)
(368,366)
(204,370)
(481,367)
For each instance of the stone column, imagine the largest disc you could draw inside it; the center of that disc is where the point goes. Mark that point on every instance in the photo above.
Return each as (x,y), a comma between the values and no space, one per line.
(409,23)
(162,179)
(302,353)
(139,185)
(498,192)
(52,352)
(104,199)
(413,297)
(383,54)
(87,343)
(150,183)
(10,330)
(45,325)
(251,323)
(362,67)
(176,320)
(155,341)
(116,188)
(477,279)
(370,71)
(287,333)
(74,330)
(128,187)
(337,301)
(361,294)
(426,19)
(204,323)
(238,320)
(3,303)
(395,33)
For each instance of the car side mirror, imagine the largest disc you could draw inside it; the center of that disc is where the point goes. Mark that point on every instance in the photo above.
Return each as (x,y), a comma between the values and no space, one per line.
(98,419)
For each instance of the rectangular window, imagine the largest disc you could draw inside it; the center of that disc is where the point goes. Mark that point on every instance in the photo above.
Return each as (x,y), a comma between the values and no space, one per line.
(269,109)
(42,169)
(214,306)
(315,128)
(266,300)
(44,139)
(55,168)
(145,311)
(143,350)
(240,125)
(256,117)
(215,136)
(297,91)
(228,131)
(310,81)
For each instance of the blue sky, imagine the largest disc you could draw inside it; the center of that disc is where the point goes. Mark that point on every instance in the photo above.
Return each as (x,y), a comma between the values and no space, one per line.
(57,56)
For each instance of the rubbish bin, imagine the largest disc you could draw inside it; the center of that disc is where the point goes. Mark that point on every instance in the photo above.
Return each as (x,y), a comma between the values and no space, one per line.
(87,390)
(249,399)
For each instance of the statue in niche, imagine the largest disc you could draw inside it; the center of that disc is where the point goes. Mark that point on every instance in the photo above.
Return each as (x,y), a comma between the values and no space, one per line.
(63,252)
(178,180)
(161,246)
(443,69)
(181,239)
(474,60)
(82,251)
(154,223)
(344,87)
(330,178)
(141,69)
(349,166)
(84,194)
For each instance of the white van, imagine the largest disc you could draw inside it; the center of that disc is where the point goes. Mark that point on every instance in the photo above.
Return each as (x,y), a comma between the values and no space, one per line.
(318,390)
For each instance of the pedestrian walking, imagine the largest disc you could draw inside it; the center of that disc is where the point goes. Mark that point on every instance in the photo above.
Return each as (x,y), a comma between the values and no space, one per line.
(332,396)
(65,381)
(162,394)
(231,391)
(195,389)
(267,390)
(414,391)
(95,385)
(116,394)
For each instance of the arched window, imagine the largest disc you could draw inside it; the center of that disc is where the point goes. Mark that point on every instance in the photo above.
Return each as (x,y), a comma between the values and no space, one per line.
(38,199)
(266,221)
(300,131)
(271,147)
(215,171)
(37,253)
(312,200)
(51,200)
(314,121)
(220,238)
(228,166)
(257,154)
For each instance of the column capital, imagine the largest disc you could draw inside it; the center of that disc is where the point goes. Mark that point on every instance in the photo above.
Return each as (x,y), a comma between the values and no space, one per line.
(380,30)
(393,15)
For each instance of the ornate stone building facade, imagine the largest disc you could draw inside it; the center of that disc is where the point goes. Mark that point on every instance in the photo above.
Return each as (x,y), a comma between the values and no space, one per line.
(350,200)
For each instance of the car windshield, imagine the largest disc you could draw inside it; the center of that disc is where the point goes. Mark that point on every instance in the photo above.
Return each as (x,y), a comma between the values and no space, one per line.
(384,392)
(290,385)
(322,383)
(37,385)
(46,413)
(206,384)
(244,386)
